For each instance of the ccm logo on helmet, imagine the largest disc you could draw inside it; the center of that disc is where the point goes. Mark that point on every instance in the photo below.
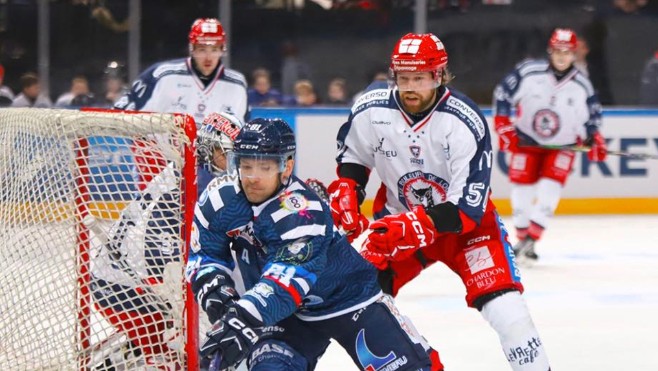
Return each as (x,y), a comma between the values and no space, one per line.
(418,228)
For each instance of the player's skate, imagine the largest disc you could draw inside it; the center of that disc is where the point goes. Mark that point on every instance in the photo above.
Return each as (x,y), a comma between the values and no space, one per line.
(524,252)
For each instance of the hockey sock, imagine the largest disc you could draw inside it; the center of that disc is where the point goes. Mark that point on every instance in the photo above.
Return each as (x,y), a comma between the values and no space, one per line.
(548,197)
(522,196)
(509,316)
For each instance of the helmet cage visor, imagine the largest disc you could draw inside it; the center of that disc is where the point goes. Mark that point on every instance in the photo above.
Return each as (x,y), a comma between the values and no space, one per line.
(256,166)
(415,81)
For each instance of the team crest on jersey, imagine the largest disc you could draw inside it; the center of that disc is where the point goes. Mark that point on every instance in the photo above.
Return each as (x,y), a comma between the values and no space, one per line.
(546,123)
(415,152)
(418,188)
(297,251)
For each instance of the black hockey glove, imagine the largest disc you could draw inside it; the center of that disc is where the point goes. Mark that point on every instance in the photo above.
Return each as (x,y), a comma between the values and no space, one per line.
(232,336)
(215,292)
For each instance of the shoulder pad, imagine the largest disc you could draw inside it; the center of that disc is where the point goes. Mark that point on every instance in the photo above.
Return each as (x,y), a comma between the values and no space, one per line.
(233,75)
(177,67)
(467,111)
(219,191)
(529,66)
(377,97)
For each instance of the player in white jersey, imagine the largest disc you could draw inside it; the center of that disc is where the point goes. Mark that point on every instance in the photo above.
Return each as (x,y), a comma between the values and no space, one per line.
(556,106)
(130,263)
(432,149)
(196,85)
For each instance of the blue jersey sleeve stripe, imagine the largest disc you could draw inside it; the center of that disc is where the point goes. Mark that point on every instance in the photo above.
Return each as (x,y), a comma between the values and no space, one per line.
(303,284)
(198,214)
(303,231)
(250,308)
(216,200)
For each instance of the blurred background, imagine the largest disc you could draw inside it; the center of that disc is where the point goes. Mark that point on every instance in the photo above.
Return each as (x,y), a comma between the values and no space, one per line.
(322,41)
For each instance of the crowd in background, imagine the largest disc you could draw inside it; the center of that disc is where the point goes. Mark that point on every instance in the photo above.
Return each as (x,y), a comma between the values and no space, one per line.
(283,72)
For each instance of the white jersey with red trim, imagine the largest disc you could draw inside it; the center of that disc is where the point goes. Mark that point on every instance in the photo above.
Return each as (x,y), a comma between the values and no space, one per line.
(173,86)
(548,111)
(444,157)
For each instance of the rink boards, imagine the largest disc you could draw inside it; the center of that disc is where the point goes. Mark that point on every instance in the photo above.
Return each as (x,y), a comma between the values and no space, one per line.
(618,185)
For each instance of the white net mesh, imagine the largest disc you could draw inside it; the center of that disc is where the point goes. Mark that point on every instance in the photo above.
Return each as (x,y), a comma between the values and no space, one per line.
(91,246)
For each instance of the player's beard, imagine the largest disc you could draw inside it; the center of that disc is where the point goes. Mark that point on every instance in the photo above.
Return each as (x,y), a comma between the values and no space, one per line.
(415,102)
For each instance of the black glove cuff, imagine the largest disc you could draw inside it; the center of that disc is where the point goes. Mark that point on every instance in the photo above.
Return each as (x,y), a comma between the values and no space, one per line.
(210,282)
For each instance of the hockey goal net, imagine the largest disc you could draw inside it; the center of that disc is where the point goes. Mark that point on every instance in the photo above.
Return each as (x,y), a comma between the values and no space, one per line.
(93,209)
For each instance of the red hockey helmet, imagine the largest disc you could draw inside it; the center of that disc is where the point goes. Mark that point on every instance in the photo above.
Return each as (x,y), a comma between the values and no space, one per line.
(207,31)
(563,39)
(419,52)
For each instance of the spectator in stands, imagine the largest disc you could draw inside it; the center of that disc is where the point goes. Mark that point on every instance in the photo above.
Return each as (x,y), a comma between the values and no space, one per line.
(337,92)
(376,80)
(305,93)
(293,68)
(115,83)
(6,95)
(649,82)
(30,95)
(79,86)
(261,92)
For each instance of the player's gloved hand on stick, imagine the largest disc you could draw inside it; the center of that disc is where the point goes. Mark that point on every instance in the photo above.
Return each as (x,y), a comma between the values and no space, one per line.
(345,207)
(232,336)
(598,148)
(507,138)
(215,292)
(398,236)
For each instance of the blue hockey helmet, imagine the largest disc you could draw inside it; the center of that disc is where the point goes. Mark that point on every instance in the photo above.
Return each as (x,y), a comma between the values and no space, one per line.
(264,139)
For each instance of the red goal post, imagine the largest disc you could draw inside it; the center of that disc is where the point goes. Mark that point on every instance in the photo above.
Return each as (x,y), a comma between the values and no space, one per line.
(94,213)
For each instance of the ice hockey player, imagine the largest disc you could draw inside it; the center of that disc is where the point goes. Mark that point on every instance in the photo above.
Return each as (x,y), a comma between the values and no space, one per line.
(305,284)
(196,85)
(556,106)
(431,147)
(131,262)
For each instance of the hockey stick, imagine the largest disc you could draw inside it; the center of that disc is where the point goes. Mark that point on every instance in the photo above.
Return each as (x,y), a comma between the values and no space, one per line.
(319,188)
(577,148)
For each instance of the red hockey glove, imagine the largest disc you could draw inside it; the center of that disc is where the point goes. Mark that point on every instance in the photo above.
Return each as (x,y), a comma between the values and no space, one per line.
(598,149)
(398,236)
(507,138)
(344,204)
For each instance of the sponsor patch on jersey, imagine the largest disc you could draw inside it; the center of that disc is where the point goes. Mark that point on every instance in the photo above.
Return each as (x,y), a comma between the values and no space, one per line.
(294,201)
(467,114)
(297,251)
(419,188)
(261,291)
(479,258)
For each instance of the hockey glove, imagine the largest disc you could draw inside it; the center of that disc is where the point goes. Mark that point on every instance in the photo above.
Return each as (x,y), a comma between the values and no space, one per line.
(214,292)
(398,236)
(233,336)
(344,204)
(380,261)
(507,138)
(598,149)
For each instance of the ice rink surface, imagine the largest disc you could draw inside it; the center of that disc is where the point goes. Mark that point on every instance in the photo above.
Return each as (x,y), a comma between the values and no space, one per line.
(593,296)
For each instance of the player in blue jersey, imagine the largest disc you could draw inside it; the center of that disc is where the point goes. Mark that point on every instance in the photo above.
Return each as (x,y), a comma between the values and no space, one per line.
(305,284)
(431,146)
(138,247)
(196,85)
